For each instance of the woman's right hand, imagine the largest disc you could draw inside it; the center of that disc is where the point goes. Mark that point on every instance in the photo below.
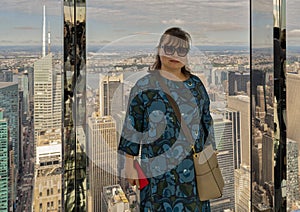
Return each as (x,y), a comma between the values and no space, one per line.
(130,172)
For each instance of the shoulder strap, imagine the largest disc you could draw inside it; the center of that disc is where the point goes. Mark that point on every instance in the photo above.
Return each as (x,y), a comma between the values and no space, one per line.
(175,107)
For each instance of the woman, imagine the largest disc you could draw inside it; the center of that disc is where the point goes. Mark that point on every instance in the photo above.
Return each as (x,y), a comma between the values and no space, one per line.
(152,130)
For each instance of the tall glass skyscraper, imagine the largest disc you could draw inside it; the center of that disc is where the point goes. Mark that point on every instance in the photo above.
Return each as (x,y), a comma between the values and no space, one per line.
(3,162)
(9,102)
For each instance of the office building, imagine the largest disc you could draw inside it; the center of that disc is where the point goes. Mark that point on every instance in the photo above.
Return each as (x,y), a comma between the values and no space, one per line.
(102,156)
(237,82)
(234,117)
(47,96)
(114,199)
(241,103)
(48,172)
(24,88)
(293,105)
(6,75)
(242,189)
(292,181)
(111,94)
(4,156)
(224,144)
(267,171)
(10,103)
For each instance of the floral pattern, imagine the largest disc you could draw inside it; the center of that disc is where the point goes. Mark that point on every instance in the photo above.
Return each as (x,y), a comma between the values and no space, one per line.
(152,130)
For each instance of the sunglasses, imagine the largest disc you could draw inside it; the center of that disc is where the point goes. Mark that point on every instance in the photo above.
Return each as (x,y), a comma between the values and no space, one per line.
(170,50)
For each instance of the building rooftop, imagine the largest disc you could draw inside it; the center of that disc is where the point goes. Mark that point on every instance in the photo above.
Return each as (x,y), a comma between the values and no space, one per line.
(114,194)
(6,84)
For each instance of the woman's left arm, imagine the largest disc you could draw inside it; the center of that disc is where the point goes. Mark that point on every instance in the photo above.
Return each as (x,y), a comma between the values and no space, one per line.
(207,123)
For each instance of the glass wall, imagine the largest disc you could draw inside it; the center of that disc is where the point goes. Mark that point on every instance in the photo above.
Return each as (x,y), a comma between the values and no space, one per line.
(74,145)
(66,71)
(122,38)
(262,106)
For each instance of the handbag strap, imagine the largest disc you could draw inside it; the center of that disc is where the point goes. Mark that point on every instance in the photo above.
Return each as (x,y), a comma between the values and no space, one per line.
(175,107)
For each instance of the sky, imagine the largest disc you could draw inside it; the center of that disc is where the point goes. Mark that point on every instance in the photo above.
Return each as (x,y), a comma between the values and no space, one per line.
(218,22)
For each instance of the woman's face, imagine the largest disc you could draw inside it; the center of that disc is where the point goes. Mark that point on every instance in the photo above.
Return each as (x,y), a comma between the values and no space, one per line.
(173,52)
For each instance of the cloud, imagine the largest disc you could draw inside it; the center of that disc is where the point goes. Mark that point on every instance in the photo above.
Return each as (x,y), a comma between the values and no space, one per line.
(173,22)
(295,33)
(53,7)
(109,20)
(26,28)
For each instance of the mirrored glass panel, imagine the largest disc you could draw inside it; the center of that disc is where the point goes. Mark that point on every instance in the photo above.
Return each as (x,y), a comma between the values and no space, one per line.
(263,147)
(122,40)
(74,149)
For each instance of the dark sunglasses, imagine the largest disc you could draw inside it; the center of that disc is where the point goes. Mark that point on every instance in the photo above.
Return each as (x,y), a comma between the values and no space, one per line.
(170,50)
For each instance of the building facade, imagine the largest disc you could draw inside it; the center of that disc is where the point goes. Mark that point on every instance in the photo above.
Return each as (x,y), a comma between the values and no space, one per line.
(4,157)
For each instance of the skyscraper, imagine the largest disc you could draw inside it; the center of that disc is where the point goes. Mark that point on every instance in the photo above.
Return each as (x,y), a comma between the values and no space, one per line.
(6,75)
(267,170)
(9,102)
(293,186)
(102,156)
(48,172)
(237,82)
(293,105)
(111,94)
(241,103)
(47,96)
(24,87)
(234,116)
(4,156)
(224,144)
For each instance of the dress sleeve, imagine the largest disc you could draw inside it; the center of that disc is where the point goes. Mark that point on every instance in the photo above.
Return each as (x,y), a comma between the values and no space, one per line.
(207,122)
(133,124)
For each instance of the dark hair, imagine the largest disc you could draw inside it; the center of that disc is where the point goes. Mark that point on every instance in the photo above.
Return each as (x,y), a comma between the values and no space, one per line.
(179,33)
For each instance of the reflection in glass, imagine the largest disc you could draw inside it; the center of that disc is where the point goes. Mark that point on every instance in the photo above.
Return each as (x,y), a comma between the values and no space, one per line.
(262,107)
(119,54)
(280,105)
(74,150)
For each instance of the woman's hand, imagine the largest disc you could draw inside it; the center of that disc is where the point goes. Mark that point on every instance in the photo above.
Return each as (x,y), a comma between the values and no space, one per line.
(130,172)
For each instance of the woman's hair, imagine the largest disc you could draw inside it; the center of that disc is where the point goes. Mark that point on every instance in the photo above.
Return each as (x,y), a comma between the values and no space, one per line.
(176,32)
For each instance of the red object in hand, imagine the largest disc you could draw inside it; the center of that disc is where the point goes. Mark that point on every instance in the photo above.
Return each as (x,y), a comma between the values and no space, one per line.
(142,177)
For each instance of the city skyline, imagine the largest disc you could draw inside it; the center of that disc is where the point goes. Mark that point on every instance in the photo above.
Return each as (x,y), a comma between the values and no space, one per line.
(246,145)
(213,23)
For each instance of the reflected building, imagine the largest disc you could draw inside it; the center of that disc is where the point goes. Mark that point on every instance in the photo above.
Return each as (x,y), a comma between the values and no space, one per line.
(74,107)
(4,157)
(102,156)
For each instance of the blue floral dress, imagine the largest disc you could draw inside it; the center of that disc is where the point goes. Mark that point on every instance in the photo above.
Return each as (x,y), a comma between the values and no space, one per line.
(152,130)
